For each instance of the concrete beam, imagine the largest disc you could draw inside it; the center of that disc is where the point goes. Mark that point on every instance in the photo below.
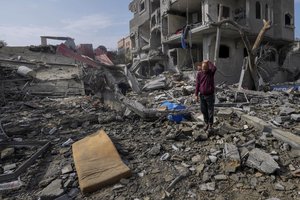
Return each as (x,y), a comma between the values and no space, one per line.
(284,136)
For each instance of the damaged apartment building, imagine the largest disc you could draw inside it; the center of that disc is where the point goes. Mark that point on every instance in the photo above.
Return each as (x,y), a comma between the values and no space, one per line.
(174,34)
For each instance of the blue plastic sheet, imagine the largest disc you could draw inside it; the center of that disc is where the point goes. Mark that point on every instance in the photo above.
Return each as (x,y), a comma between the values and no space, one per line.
(174,106)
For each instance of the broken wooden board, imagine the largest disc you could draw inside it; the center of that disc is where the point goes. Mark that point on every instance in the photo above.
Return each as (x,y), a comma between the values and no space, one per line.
(97,162)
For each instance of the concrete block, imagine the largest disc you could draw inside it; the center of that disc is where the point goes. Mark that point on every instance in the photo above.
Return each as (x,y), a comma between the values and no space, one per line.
(256,122)
(286,111)
(5,153)
(287,137)
(208,186)
(262,161)
(225,112)
(52,191)
(9,167)
(296,117)
(232,156)
(67,169)
(221,177)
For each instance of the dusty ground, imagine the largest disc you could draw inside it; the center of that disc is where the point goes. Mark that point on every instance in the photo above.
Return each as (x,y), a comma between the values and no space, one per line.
(141,145)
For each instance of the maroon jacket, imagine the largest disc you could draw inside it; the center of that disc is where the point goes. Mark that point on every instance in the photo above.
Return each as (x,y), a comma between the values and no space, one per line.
(205,83)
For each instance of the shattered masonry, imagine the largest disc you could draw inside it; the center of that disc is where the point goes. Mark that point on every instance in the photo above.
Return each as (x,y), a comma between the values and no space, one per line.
(161,32)
(76,125)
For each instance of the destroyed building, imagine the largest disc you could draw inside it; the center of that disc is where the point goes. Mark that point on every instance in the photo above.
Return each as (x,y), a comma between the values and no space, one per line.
(177,33)
(75,125)
(124,49)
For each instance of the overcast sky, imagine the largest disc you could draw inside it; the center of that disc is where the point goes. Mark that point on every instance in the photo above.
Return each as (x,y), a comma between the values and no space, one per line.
(100,22)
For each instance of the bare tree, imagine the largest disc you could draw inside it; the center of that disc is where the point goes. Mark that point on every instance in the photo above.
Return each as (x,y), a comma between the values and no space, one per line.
(251,68)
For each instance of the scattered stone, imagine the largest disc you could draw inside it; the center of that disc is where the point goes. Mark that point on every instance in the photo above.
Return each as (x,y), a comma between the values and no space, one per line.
(254,100)
(213,159)
(205,177)
(45,182)
(246,127)
(286,111)
(52,131)
(9,167)
(155,150)
(74,125)
(52,191)
(63,197)
(85,124)
(187,131)
(221,177)
(18,139)
(296,117)
(164,157)
(67,169)
(197,159)
(7,152)
(118,186)
(124,181)
(235,177)
(73,193)
(291,167)
(279,187)
(174,147)
(247,108)
(208,186)
(262,161)
(68,183)
(253,182)
(232,156)
(200,168)
(68,142)
(187,90)
(225,112)
(200,136)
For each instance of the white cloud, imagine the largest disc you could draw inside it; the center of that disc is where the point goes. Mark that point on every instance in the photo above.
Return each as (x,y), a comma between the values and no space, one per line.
(25,36)
(87,23)
(87,29)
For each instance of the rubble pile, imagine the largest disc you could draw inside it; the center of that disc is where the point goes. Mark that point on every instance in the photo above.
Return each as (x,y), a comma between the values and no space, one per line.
(252,152)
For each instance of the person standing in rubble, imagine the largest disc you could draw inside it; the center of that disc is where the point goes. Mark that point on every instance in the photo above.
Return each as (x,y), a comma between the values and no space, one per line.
(205,85)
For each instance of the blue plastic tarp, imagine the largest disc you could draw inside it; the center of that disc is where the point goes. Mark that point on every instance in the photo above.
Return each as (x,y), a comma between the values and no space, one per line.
(174,106)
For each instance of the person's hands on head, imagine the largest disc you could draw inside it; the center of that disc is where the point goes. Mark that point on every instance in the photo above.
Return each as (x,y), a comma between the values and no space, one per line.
(205,66)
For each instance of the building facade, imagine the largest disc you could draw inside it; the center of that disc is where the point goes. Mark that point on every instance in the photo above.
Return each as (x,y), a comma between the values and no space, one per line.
(177,33)
(124,49)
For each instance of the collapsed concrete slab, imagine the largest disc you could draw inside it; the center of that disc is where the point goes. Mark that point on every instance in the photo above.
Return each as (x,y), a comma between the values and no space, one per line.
(52,191)
(262,161)
(232,156)
(42,79)
(287,137)
(256,122)
(279,134)
(99,164)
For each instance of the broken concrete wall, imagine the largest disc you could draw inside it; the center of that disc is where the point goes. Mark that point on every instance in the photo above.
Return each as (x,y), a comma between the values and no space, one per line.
(26,54)
(49,79)
(283,30)
(231,4)
(173,15)
(140,17)
(290,70)
(229,69)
